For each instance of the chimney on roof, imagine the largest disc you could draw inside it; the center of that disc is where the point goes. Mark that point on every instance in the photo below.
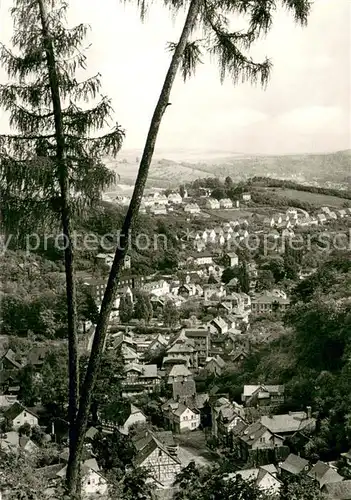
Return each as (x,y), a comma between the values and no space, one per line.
(309,412)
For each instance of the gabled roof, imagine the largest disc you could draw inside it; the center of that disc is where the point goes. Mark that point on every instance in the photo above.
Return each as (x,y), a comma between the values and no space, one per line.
(127,352)
(134,367)
(218,360)
(294,464)
(287,422)
(256,475)
(145,371)
(10,356)
(324,474)
(254,432)
(218,321)
(152,444)
(249,390)
(86,467)
(159,339)
(15,410)
(182,408)
(232,282)
(237,354)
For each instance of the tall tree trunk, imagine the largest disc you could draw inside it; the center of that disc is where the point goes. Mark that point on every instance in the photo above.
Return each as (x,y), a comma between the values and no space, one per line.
(65,220)
(112,284)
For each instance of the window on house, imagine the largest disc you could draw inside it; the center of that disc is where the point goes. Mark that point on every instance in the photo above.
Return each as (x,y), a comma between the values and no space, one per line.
(159,453)
(262,440)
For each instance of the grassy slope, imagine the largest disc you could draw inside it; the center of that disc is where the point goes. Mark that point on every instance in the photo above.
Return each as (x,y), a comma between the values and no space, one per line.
(304,196)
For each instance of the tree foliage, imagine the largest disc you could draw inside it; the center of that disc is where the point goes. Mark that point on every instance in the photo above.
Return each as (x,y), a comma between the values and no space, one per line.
(170,314)
(142,307)
(29,173)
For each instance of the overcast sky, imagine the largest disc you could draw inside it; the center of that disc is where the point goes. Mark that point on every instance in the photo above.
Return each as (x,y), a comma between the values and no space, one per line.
(306,107)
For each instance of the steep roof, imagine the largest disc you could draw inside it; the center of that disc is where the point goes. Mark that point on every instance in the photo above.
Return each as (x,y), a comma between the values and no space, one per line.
(15,410)
(184,389)
(324,474)
(152,445)
(237,354)
(254,432)
(294,464)
(133,367)
(180,409)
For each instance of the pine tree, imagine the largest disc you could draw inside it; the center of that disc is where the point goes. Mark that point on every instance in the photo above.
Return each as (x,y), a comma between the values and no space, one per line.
(52,167)
(244,278)
(125,309)
(230,48)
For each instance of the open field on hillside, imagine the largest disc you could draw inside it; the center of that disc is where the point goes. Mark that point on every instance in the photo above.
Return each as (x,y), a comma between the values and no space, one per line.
(229,214)
(321,200)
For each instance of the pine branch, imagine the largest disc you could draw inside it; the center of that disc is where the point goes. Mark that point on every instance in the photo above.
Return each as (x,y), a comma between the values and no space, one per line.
(21,67)
(67,41)
(37,94)
(29,122)
(82,121)
(190,58)
(108,144)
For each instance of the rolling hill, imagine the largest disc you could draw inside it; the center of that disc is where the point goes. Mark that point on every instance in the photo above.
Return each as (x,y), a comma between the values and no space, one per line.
(329,169)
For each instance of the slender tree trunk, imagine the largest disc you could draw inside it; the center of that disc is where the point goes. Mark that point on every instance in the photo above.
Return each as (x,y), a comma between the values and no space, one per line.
(112,284)
(65,220)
